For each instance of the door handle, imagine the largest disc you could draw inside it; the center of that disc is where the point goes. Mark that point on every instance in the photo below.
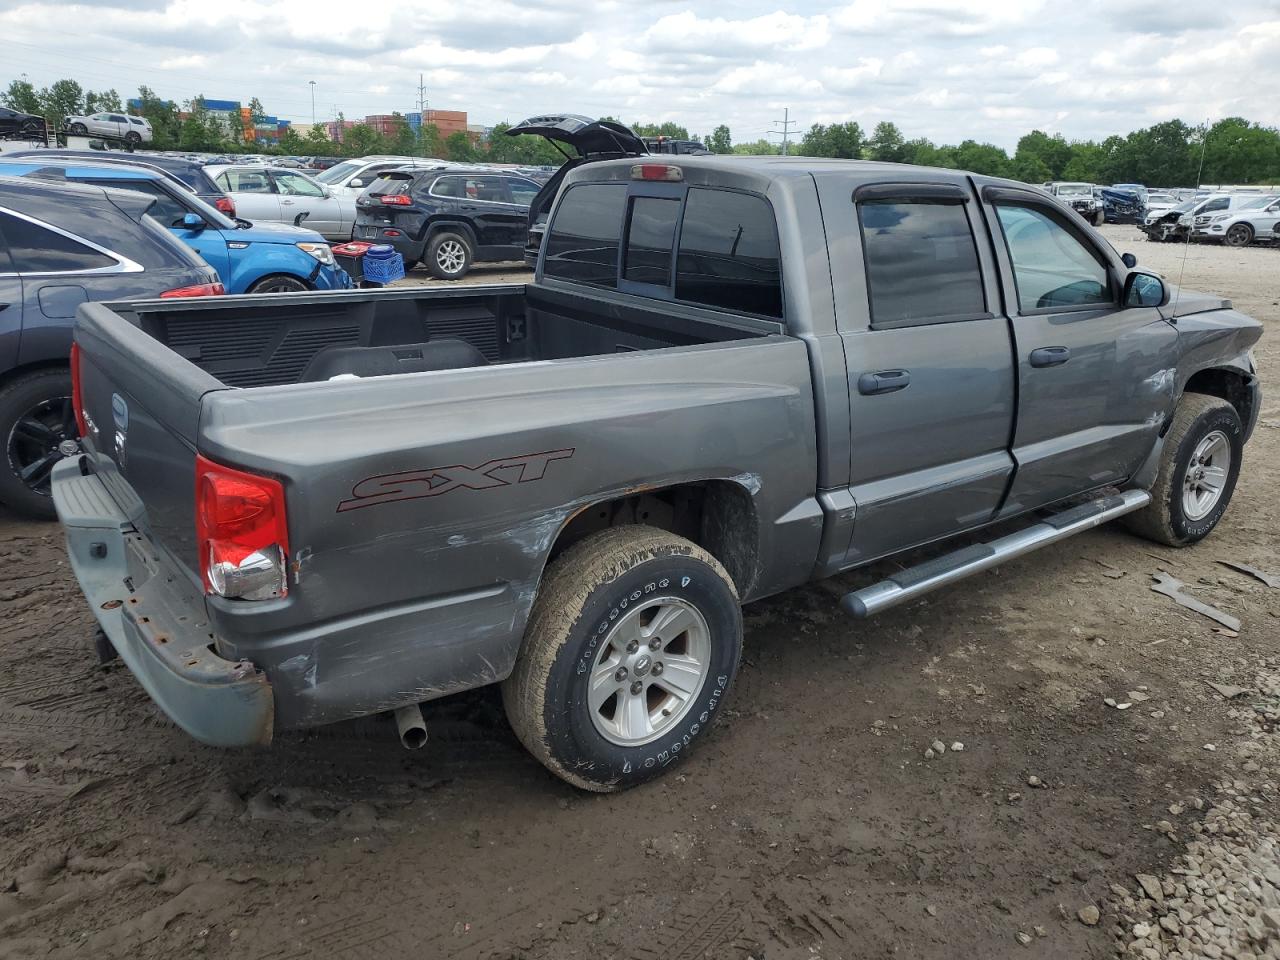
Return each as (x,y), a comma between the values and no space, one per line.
(1050,356)
(287,201)
(885,381)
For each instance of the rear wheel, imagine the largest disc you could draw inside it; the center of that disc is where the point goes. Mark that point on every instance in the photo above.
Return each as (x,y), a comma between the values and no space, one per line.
(448,256)
(1240,235)
(280,283)
(38,424)
(77,130)
(632,645)
(1199,466)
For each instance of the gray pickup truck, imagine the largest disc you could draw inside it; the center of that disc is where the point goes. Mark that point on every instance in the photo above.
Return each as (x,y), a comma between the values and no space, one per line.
(730,376)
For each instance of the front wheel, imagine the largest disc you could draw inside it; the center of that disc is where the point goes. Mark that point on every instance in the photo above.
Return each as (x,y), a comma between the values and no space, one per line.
(1240,235)
(448,256)
(279,284)
(1199,466)
(632,646)
(1099,218)
(133,137)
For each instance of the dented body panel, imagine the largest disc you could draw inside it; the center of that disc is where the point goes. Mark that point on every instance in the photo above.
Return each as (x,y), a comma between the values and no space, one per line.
(423,507)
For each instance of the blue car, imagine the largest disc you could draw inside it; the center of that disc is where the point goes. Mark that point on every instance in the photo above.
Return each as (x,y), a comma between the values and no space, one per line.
(249,258)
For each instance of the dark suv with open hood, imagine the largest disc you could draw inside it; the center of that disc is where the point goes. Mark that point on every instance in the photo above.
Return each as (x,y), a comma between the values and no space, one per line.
(581,140)
(447,219)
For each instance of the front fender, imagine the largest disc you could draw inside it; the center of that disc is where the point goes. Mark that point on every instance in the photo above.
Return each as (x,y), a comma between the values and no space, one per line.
(259,260)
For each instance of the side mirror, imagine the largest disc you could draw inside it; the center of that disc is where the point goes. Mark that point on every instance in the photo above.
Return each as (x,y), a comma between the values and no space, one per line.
(356,183)
(1129,260)
(1144,290)
(193,221)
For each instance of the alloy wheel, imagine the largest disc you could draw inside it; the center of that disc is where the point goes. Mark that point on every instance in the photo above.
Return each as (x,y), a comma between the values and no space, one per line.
(450,256)
(39,439)
(1206,476)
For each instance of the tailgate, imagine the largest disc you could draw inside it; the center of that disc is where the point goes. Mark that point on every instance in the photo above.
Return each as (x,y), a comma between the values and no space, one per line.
(141,403)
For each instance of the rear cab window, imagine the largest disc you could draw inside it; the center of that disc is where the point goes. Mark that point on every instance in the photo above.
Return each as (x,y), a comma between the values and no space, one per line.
(34,249)
(706,246)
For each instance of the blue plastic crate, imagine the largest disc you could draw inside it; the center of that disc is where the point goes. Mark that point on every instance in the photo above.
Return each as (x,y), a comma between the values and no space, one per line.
(383,269)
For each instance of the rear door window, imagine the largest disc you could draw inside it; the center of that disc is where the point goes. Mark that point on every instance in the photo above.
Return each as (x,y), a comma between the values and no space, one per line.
(523,191)
(245,181)
(585,235)
(37,249)
(728,256)
(921,261)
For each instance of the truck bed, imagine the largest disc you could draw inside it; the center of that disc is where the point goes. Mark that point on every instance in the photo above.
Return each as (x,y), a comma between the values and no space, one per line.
(246,342)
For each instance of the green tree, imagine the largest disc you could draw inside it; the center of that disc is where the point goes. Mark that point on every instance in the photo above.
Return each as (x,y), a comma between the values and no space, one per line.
(1053,152)
(257,113)
(837,140)
(291,143)
(985,158)
(102,102)
(669,129)
(21,96)
(1030,169)
(402,141)
(317,144)
(529,150)
(163,116)
(1237,151)
(1085,163)
(362,140)
(756,148)
(458,148)
(430,143)
(887,143)
(720,141)
(64,99)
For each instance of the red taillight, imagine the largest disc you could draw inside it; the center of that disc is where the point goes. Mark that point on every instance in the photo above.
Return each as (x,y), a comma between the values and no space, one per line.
(241,532)
(656,171)
(225,205)
(391,233)
(396,200)
(196,290)
(77,392)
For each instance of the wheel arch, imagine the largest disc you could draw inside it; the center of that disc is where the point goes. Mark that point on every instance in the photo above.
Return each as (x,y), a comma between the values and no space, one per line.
(718,515)
(1230,384)
(273,274)
(450,226)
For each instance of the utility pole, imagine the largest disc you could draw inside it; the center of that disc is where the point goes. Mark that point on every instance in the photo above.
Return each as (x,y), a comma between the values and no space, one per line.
(785,133)
(422,113)
(313,102)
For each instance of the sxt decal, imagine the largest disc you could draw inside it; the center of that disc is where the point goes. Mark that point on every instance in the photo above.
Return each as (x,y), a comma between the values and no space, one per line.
(432,482)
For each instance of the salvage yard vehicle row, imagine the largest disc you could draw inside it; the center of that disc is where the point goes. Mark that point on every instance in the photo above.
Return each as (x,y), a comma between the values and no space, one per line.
(730,376)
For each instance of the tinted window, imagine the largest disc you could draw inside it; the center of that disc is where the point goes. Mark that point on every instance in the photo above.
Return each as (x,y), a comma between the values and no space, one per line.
(583,242)
(921,262)
(523,191)
(651,234)
(35,249)
(1220,204)
(166,210)
(728,253)
(390,183)
(449,187)
(1050,266)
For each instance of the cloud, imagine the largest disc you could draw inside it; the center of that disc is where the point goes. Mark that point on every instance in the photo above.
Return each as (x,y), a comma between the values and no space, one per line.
(946,69)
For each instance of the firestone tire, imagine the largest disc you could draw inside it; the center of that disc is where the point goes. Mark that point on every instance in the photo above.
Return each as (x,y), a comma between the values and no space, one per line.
(1198,421)
(591,597)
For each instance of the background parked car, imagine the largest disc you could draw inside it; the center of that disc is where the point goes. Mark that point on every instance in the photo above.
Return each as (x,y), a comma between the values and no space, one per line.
(447,220)
(1079,197)
(62,245)
(190,172)
(350,178)
(264,193)
(20,126)
(249,258)
(119,126)
(1254,220)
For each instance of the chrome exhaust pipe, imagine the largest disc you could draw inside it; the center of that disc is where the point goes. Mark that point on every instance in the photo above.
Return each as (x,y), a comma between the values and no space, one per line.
(413,729)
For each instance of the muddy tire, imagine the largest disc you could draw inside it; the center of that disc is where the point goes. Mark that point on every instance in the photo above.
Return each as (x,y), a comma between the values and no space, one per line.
(1199,466)
(631,647)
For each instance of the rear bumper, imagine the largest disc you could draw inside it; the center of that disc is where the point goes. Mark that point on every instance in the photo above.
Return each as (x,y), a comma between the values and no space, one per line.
(158,627)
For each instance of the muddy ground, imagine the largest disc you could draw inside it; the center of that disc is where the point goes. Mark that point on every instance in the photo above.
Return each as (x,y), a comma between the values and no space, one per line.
(808,823)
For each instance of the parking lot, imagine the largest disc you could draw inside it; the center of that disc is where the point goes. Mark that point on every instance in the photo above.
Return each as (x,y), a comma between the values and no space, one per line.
(809,823)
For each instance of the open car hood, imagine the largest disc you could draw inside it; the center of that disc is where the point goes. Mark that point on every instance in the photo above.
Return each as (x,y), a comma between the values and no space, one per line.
(591,139)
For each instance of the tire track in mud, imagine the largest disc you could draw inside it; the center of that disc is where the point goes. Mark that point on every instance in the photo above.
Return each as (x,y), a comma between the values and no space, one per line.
(709,923)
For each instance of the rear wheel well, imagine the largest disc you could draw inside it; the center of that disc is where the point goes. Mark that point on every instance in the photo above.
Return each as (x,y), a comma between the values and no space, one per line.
(449,226)
(1229,385)
(717,515)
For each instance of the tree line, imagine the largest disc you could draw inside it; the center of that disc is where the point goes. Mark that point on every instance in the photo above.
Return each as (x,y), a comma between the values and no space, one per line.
(1169,154)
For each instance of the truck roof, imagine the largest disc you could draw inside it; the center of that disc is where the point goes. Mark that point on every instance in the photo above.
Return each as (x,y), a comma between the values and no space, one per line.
(757,172)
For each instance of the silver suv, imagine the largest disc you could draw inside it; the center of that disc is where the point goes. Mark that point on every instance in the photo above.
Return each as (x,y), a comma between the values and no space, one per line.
(118,126)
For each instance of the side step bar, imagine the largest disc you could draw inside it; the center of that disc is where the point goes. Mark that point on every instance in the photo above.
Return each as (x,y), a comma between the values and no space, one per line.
(914,581)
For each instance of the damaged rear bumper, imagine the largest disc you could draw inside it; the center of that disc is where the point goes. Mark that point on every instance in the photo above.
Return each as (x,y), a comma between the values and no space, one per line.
(156,620)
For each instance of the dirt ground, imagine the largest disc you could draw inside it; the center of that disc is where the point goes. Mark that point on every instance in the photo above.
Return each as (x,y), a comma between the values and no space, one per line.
(809,823)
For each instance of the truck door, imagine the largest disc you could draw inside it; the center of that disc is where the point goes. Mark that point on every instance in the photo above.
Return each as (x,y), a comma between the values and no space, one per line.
(931,380)
(1095,379)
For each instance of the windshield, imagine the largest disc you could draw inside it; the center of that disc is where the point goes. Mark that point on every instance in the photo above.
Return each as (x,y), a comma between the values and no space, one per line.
(335,175)
(1256,202)
(1185,206)
(1075,190)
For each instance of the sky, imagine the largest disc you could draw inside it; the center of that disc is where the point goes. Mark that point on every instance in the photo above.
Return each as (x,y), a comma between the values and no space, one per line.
(946,69)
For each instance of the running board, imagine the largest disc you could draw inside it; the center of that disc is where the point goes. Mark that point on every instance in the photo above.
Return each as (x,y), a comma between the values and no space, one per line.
(914,581)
